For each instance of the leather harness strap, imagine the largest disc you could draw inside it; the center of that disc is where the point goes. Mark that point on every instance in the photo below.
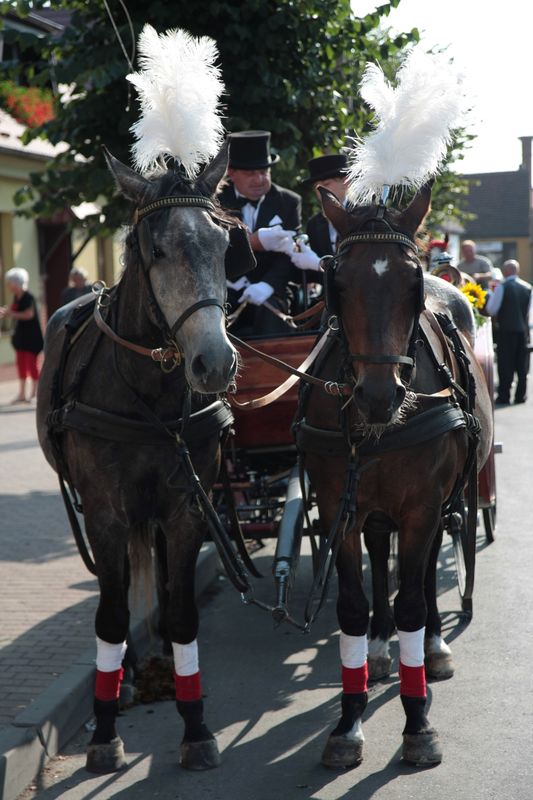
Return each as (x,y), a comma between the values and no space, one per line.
(157,354)
(286,385)
(172,353)
(331,387)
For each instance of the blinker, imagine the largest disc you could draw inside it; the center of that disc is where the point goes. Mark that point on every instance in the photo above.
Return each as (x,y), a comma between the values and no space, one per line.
(146,247)
(328,265)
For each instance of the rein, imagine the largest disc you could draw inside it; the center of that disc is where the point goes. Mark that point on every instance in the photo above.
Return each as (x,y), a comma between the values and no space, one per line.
(330,387)
(297,374)
(336,388)
(162,355)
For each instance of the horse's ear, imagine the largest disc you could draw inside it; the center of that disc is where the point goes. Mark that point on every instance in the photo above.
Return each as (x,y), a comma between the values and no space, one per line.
(132,185)
(336,213)
(418,208)
(215,171)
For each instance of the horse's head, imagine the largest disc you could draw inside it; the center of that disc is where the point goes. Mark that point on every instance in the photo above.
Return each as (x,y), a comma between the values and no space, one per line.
(178,242)
(375,287)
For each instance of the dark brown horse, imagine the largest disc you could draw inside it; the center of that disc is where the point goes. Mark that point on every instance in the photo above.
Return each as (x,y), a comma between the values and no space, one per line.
(392,451)
(114,423)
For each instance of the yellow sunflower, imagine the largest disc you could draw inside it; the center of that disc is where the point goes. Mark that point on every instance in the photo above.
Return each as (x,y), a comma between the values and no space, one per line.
(475,294)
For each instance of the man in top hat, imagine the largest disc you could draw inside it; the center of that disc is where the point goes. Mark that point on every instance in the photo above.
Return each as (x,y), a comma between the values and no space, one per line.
(272,215)
(328,171)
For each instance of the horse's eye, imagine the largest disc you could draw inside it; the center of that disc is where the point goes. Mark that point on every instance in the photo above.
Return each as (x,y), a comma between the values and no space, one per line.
(158,253)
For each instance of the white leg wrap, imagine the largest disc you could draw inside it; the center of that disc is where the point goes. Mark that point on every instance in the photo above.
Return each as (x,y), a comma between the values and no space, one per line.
(353,650)
(109,656)
(186,658)
(412,647)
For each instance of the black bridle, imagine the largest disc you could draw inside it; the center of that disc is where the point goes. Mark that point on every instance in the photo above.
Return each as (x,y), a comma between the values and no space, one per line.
(170,356)
(330,265)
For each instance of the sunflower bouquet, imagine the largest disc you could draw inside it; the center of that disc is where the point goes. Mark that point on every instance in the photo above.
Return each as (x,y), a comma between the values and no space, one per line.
(477,298)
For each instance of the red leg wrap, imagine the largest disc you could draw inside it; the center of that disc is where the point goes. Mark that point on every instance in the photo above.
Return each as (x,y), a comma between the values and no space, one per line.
(412,681)
(354,681)
(108,684)
(188,687)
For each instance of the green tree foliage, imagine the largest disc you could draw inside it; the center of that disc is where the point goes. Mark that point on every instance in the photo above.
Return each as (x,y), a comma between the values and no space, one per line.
(290,66)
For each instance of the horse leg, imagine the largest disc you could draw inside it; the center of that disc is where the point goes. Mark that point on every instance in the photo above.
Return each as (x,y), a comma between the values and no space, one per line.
(377,532)
(438,656)
(161,569)
(199,749)
(105,751)
(344,747)
(420,740)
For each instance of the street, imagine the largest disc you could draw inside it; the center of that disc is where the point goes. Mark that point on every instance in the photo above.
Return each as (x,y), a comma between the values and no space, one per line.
(272,694)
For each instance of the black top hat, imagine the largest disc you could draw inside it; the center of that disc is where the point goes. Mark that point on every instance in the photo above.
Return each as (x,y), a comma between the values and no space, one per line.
(324,167)
(250,150)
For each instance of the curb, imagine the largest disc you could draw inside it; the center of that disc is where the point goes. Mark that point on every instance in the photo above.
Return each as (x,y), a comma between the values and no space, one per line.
(40,731)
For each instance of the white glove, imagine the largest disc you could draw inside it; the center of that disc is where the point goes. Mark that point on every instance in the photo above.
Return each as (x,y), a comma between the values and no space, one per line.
(241,283)
(306,258)
(276,239)
(257,293)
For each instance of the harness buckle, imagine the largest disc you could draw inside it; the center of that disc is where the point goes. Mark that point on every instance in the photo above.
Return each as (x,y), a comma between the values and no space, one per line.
(332,321)
(101,290)
(168,358)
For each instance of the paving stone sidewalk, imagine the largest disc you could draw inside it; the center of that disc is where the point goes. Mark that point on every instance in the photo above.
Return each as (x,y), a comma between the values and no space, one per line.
(47,597)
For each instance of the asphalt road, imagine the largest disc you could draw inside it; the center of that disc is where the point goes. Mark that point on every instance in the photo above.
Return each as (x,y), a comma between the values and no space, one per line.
(273,694)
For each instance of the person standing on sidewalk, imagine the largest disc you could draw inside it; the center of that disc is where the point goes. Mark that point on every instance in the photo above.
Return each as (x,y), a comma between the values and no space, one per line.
(510,304)
(480,268)
(27,339)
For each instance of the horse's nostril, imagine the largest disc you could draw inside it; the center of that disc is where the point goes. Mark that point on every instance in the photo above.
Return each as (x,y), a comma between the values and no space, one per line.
(400,395)
(198,366)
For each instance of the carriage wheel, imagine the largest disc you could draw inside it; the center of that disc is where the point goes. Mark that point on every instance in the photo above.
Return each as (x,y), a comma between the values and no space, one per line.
(456,532)
(489,521)
(464,561)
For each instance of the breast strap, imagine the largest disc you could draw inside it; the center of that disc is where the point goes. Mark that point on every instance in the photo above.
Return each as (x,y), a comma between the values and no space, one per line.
(200,426)
(436,420)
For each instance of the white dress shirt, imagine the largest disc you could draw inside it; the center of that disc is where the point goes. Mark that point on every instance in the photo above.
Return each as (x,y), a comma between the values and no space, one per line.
(249,212)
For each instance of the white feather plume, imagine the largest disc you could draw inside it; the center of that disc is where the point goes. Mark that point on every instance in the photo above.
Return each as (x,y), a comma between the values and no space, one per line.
(179,89)
(414,124)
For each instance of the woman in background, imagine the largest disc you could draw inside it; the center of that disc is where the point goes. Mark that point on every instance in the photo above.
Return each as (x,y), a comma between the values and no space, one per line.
(27,339)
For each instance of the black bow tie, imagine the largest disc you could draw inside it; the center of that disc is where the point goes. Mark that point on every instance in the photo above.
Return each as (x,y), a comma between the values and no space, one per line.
(240,202)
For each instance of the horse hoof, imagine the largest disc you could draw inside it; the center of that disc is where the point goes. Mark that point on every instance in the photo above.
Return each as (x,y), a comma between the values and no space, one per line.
(200,755)
(103,758)
(342,752)
(439,666)
(379,667)
(421,749)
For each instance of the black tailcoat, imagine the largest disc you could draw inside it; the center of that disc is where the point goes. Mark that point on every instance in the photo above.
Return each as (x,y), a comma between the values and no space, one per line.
(280,206)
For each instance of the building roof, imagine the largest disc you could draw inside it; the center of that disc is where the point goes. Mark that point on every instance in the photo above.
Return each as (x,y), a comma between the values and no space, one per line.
(10,142)
(501,202)
(53,19)
(46,20)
